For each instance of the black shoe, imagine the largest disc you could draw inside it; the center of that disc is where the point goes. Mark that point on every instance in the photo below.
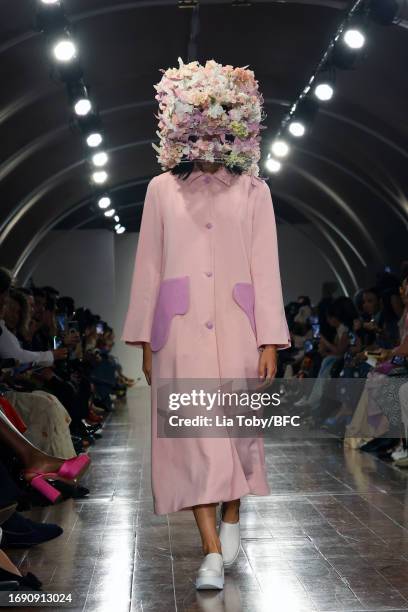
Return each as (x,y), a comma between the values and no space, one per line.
(21,532)
(379,445)
(29,581)
(9,585)
(77,443)
(72,491)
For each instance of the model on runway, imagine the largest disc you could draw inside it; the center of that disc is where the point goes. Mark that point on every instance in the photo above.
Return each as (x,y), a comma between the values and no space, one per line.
(206,298)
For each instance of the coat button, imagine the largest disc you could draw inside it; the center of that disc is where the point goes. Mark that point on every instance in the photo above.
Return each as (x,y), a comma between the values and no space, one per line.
(209,225)
(209,325)
(209,273)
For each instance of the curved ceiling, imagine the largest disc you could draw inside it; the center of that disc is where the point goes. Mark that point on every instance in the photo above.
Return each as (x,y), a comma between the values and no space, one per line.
(346,183)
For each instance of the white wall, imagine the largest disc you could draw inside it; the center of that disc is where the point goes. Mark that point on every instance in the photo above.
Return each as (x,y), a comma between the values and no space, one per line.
(125,251)
(80,264)
(303,269)
(95,267)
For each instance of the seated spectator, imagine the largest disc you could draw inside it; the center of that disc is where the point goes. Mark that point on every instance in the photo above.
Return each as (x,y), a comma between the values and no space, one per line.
(37,466)
(340,316)
(378,413)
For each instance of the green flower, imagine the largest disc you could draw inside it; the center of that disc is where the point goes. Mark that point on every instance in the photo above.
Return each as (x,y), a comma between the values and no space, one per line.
(239,129)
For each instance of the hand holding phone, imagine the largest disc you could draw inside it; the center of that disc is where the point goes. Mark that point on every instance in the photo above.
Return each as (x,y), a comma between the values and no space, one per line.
(60,353)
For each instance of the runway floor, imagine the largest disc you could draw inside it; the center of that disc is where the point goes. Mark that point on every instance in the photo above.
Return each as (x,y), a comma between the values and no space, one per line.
(332,536)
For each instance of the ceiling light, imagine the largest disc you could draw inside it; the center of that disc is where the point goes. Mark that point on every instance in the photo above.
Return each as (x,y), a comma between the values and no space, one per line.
(296,128)
(117,226)
(120,230)
(273,165)
(109,213)
(50,1)
(100,159)
(116,217)
(82,106)
(324,91)
(280,148)
(94,139)
(99,177)
(354,38)
(64,50)
(104,202)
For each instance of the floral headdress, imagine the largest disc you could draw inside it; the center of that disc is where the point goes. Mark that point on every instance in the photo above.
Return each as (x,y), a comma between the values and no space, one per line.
(210,113)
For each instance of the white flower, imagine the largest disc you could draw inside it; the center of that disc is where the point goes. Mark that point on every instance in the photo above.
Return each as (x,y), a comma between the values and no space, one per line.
(182,108)
(215,110)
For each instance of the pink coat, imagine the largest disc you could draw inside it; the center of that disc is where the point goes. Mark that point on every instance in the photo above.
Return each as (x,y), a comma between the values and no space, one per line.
(206,293)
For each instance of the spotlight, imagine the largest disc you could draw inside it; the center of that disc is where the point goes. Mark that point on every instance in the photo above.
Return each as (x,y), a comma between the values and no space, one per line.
(79,98)
(297,129)
(94,139)
(116,217)
(117,226)
(82,107)
(100,159)
(99,177)
(354,38)
(65,50)
(120,230)
(324,91)
(280,148)
(110,212)
(104,202)
(273,165)
(303,116)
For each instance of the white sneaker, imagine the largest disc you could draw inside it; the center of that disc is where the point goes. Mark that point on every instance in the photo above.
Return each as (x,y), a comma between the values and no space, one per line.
(230,537)
(211,572)
(399,453)
(302,402)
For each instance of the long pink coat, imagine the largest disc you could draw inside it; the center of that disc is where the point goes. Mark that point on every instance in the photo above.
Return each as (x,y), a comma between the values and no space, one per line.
(206,293)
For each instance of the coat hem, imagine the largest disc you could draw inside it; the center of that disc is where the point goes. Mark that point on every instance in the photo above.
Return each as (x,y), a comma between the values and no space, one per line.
(255,492)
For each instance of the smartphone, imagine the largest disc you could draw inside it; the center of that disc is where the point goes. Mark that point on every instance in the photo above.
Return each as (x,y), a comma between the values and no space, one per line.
(73,327)
(316,330)
(308,346)
(398,360)
(62,322)
(57,342)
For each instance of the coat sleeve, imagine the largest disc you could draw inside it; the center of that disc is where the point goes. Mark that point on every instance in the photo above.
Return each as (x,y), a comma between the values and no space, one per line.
(270,319)
(10,348)
(146,273)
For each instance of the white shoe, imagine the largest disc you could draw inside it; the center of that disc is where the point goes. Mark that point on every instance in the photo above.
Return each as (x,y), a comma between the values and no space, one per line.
(211,572)
(399,453)
(230,536)
(302,402)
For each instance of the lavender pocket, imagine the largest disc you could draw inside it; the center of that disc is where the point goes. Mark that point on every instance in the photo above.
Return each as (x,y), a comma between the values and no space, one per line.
(243,294)
(173,299)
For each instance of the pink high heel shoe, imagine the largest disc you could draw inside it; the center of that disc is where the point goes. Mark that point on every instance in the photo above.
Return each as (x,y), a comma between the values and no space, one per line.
(71,469)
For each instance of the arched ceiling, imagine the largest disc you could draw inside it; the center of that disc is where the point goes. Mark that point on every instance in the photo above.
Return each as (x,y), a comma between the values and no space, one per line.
(347,179)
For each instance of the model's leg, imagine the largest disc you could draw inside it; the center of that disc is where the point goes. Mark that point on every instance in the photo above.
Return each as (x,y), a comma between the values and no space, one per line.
(29,455)
(206,518)
(211,572)
(230,536)
(230,511)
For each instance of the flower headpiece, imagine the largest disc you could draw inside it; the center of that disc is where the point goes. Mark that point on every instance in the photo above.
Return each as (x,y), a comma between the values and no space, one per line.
(210,113)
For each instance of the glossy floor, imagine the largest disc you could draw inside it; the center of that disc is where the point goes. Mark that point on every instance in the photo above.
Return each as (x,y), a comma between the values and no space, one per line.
(332,536)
